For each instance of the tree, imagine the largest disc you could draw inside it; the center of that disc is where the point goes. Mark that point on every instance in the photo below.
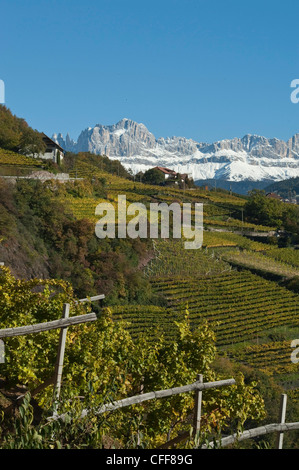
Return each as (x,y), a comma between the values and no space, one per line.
(15,134)
(153,176)
(10,132)
(264,210)
(267,211)
(31,143)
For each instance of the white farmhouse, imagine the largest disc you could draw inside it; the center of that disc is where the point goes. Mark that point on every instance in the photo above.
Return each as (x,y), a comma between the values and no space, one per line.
(53,150)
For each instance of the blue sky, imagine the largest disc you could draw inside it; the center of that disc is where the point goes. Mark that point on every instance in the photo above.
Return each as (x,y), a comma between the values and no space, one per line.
(206,70)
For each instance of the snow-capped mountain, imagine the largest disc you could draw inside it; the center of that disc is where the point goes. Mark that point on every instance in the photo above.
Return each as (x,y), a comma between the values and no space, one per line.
(252,157)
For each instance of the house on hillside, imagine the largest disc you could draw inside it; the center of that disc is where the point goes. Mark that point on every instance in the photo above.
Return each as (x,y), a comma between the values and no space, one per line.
(166,172)
(171,173)
(274,196)
(53,150)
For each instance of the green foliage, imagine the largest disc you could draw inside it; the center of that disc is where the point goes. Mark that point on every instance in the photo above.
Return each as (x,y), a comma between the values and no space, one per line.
(37,218)
(24,303)
(265,210)
(77,163)
(72,433)
(15,134)
(31,142)
(263,263)
(102,364)
(153,176)
(262,209)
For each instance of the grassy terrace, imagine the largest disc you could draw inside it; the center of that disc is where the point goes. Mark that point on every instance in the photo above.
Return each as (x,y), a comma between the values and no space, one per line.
(273,357)
(263,261)
(15,164)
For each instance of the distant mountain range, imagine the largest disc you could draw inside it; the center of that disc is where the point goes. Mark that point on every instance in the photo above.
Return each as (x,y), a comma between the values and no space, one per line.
(252,158)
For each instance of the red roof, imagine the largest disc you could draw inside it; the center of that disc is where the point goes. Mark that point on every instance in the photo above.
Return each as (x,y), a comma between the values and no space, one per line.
(273,196)
(167,171)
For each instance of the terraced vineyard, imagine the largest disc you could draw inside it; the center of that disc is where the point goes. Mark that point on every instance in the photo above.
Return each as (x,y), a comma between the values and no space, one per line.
(274,358)
(15,164)
(238,304)
(214,239)
(172,259)
(8,157)
(237,224)
(216,203)
(261,261)
(213,284)
(288,256)
(83,169)
(84,208)
(146,319)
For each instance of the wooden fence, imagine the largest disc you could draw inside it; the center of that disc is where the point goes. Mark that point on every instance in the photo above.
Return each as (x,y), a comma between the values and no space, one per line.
(255,432)
(198,387)
(46,326)
(62,324)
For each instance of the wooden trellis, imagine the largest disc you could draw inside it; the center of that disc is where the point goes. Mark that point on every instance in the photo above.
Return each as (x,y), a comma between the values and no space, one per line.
(255,432)
(62,324)
(199,386)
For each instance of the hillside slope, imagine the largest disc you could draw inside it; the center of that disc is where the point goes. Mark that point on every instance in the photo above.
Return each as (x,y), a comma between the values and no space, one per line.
(237,283)
(285,188)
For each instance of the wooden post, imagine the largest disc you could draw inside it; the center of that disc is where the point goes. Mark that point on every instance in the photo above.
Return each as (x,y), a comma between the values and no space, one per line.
(282,417)
(60,355)
(91,299)
(197,408)
(140,391)
(2,352)
(47,326)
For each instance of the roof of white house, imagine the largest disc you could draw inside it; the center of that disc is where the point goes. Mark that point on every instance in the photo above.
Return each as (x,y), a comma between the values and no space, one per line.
(167,171)
(49,141)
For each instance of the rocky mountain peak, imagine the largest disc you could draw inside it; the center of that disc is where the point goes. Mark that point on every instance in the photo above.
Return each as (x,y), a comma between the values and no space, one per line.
(251,157)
